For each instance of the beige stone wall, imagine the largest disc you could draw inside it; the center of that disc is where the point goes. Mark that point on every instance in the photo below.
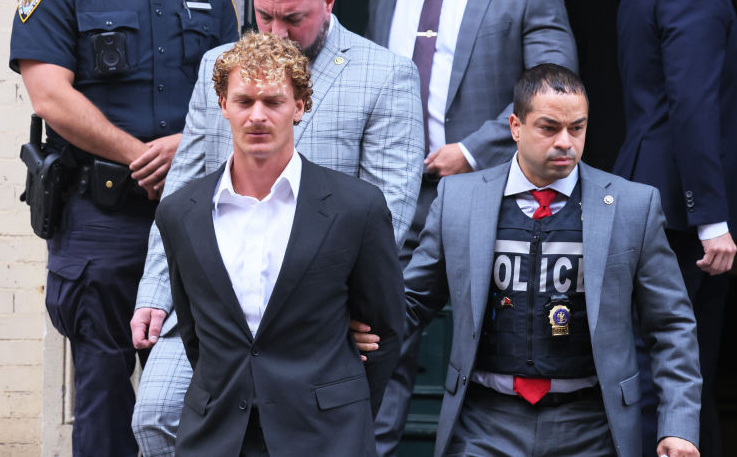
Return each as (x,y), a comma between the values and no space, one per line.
(22,260)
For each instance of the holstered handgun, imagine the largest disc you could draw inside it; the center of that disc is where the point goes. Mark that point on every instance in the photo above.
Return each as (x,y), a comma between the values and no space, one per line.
(44,183)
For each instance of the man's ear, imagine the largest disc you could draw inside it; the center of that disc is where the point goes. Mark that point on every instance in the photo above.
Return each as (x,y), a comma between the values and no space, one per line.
(514,125)
(222,99)
(299,110)
(329,5)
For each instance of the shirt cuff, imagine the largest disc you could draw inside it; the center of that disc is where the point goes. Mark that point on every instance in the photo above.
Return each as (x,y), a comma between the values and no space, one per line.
(709,231)
(469,158)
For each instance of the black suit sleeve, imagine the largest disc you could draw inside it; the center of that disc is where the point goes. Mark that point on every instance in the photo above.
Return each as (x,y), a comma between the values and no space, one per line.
(694,37)
(375,295)
(180,299)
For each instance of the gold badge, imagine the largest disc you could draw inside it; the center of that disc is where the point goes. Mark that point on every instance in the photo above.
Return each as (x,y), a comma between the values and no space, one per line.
(26,8)
(559,317)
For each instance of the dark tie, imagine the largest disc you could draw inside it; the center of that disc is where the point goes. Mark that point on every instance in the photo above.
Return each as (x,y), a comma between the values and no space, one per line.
(427,33)
(533,389)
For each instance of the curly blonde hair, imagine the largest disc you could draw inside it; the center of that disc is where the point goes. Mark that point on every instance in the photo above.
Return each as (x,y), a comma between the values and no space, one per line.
(265,58)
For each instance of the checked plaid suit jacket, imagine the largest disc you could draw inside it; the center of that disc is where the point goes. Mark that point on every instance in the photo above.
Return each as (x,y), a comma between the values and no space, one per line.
(366,121)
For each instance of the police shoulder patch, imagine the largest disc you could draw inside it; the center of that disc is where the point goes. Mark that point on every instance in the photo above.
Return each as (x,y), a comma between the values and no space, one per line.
(26,8)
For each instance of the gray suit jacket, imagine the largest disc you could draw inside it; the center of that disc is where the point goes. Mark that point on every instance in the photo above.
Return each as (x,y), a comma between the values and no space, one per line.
(302,369)
(627,265)
(366,121)
(498,39)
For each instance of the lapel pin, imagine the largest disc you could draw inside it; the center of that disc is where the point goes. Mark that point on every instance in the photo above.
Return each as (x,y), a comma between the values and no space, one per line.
(506,302)
(608,199)
(339,60)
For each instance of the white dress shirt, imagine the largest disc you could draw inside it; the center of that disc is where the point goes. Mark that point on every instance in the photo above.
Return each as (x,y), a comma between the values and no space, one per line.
(252,236)
(402,36)
(520,186)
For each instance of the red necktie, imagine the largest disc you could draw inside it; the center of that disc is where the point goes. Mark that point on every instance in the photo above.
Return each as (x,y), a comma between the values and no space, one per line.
(544,198)
(533,389)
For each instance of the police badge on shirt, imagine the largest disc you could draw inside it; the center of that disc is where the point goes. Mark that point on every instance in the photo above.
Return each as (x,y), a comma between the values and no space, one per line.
(26,8)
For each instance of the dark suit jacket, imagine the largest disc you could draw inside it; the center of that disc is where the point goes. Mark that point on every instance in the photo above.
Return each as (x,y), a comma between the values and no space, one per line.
(314,395)
(678,60)
(498,39)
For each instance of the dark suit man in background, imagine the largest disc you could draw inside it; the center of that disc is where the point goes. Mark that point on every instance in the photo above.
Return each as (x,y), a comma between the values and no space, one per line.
(268,258)
(678,61)
(469,54)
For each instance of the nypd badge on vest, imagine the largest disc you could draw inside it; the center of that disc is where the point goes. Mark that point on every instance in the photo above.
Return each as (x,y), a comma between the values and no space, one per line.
(26,8)
(559,316)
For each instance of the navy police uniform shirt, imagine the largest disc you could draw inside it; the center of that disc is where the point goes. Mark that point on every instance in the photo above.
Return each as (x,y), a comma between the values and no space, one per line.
(147,92)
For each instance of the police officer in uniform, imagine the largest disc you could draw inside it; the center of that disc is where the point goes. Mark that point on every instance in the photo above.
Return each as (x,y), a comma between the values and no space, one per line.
(112,81)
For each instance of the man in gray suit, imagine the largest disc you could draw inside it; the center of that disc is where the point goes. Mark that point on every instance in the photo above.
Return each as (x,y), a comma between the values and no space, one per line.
(366,121)
(549,257)
(477,50)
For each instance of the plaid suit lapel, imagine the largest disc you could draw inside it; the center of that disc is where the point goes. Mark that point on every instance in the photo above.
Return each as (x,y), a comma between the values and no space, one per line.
(326,68)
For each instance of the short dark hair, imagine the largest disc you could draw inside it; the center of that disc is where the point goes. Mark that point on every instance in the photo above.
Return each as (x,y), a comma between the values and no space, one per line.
(541,78)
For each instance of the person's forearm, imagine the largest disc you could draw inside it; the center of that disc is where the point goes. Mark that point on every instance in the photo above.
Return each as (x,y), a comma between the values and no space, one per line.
(70,114)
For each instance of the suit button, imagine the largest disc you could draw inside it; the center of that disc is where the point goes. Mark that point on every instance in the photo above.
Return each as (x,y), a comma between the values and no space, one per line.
(463,380)
(473,335)
(689,194)
(254,350)
(243,405)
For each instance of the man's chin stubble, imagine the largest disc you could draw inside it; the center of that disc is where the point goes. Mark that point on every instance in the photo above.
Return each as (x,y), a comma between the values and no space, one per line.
(313,50)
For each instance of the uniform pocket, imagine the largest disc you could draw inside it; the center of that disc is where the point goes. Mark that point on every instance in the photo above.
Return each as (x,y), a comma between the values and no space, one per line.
(200,33)
(91,23)
(107,21)
(64,291)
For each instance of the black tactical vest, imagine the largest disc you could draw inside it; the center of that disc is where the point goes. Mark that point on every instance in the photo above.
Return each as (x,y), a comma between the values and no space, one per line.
(535,323)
